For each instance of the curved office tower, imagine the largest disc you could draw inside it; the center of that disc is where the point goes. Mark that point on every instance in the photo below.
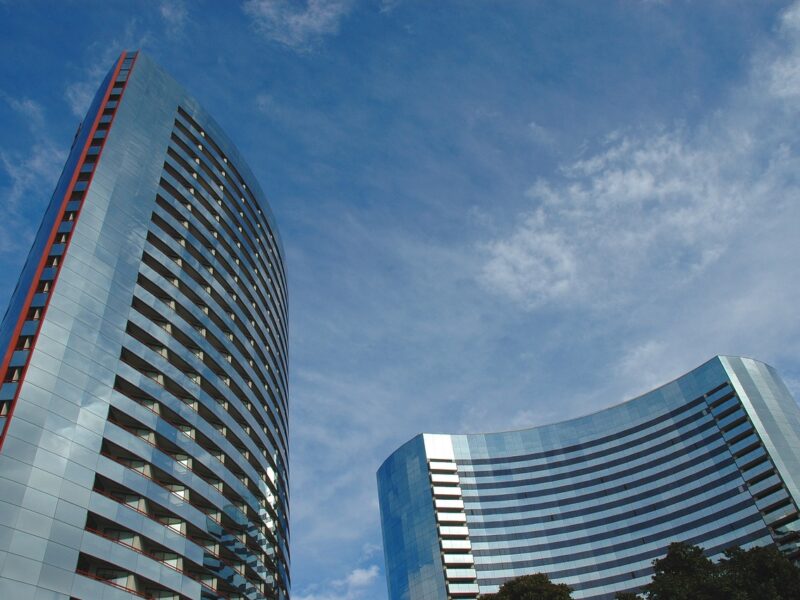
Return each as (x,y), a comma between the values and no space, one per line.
(144,401)
(712,459)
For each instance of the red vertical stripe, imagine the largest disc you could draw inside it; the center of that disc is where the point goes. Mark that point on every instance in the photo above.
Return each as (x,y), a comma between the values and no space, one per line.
(48,247)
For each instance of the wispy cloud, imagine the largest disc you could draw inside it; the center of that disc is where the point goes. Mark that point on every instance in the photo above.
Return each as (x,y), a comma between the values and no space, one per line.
(28,172)
(79,95)
(651,210)
(540,134)
(353,586)
(356,397)
(28,109)
(337,444)
(626,220)
(387,6)
(678,243)
(298,27)
(174,13)
(81,90)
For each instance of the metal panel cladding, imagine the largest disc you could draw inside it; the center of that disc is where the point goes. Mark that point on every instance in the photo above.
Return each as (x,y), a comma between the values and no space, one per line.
(144,445)
(712,459)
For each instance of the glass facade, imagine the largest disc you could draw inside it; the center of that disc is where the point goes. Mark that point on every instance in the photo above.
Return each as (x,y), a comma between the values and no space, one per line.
(712,459)
(144,440)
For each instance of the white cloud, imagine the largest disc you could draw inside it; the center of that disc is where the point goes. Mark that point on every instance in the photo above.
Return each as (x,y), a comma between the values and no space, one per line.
(338,444)
(297,27)
(80,92)
(648,211)
(369,550)
(350,587)
(359,578)
(536,263)
(664,248)
(625,221)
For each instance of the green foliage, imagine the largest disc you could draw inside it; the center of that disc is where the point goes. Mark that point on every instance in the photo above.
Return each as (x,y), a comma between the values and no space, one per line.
(759,574)
(755,574)
(531,587)
(685,573)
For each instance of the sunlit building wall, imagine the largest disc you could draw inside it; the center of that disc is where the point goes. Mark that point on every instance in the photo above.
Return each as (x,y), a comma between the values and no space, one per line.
(143,409)
(712,459)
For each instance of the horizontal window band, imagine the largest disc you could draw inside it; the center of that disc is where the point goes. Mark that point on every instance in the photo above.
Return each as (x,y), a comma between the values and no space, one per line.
(627,458)
(625,531)
(464,463)
(621,562)
(576,487)
(662,505)
(596,442)
(646,494)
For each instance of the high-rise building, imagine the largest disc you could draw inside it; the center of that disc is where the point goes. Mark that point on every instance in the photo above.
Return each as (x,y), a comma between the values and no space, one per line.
(143,443)
(712,459)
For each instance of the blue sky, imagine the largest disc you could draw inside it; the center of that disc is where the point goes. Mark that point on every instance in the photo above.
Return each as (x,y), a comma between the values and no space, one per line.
(496,214)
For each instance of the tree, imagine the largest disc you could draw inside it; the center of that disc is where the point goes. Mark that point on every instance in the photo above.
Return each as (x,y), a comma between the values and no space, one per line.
(531,587)
(761,573)
(685,573)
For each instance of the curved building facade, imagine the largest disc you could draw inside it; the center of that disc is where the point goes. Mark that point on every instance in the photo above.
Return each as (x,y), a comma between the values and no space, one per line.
(712,459)
(144,440)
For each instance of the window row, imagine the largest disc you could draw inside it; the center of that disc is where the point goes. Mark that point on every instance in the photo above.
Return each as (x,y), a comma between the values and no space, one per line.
(234,435)
(599,441)
(258,289)
(712,465)
(230,213)
(197,337)
(178,239)
(235,213)
(705,445)
(227,348)
(189,127)
(253,537)
(196,233)
(228,566)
